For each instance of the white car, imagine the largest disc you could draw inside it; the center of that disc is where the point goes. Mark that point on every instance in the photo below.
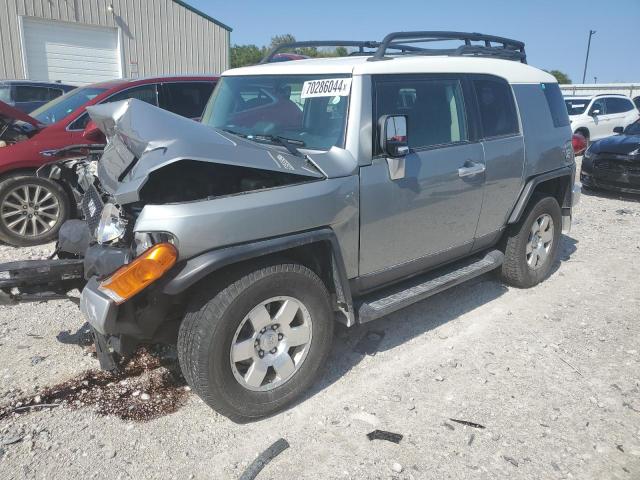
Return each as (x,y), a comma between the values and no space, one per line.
(595,117)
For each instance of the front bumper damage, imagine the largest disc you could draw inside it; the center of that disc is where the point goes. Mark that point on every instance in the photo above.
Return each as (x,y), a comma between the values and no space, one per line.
(39,280)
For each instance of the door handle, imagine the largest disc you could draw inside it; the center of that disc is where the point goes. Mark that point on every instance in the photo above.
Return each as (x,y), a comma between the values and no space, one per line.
(473,169)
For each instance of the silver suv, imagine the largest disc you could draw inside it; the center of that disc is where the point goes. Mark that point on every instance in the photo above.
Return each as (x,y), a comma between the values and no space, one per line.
(313,191)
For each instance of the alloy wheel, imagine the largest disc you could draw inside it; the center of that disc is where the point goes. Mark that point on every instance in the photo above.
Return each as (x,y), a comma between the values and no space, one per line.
(271,343)
(540,241)
(30,210)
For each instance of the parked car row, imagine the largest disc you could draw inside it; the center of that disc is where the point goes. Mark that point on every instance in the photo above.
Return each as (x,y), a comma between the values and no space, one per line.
(33,209)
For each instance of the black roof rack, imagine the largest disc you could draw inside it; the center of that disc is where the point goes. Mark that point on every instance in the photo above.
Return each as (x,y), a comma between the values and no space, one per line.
(506,48)
(361,45)
(401,44)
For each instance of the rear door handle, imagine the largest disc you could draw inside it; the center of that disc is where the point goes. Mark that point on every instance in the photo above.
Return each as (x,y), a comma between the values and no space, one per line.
(473,169)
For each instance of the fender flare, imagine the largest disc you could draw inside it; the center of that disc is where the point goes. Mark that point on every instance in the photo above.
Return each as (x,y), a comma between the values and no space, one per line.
(189,272)
(530,186)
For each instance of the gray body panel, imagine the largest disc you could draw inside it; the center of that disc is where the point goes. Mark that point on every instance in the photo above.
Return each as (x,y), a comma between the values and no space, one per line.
(206,225)
(544,143)
(430,210)
(504,159)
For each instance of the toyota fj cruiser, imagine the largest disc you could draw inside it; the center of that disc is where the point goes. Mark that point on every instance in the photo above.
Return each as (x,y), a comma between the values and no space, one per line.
(313,191)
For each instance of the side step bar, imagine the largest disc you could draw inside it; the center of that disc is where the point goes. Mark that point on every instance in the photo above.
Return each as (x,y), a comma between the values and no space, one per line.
(39,280)
(383,303)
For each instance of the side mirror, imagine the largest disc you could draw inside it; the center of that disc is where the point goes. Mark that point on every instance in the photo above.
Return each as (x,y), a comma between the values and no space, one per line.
(618,130)
(93,134)
(393,135)
(595,112)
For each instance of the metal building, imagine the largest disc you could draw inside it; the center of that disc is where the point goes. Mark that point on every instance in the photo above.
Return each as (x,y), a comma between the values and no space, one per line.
(86,41)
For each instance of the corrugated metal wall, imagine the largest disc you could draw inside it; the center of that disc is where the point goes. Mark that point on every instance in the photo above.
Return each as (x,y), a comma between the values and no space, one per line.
(158,36)
(632,90)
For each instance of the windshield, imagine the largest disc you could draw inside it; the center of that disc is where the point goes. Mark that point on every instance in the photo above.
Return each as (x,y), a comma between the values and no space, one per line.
(633,129)
(308,109)
(57,109)
(576,106)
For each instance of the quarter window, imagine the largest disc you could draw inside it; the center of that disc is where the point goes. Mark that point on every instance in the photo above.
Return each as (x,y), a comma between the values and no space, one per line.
(435,109)
(497,108)
(556,104)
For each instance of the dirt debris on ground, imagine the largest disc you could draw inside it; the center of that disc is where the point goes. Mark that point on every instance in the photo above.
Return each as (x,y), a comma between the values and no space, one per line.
(553,373)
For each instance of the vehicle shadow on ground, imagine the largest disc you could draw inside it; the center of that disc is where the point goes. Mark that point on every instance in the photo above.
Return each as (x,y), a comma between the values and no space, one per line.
(81,337)
(416,320)
(627,197)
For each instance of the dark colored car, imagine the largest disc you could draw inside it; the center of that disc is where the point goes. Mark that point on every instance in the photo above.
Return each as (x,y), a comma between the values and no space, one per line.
(26,95)
(613,163)
(32,209)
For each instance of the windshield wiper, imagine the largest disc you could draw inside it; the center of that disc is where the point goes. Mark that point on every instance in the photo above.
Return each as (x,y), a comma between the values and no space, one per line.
(288,143)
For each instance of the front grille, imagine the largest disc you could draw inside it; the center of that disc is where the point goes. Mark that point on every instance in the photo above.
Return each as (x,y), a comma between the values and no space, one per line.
(618,166)
(92,206)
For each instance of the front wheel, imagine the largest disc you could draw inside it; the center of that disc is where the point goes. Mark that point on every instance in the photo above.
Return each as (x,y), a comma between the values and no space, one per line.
(32,210)
(259,343)
(531,245)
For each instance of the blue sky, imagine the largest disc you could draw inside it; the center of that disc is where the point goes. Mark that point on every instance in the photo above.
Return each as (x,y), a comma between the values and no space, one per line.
(555,31)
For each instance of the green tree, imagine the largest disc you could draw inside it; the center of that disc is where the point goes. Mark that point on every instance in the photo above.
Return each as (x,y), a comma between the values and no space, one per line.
(341,52)
(243,55)
(562,77)
(280,39)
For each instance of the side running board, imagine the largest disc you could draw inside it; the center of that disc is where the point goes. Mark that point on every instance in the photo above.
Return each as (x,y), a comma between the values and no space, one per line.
(379,304)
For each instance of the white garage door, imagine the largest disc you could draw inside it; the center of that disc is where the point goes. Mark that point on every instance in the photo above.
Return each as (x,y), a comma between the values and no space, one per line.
(70,52)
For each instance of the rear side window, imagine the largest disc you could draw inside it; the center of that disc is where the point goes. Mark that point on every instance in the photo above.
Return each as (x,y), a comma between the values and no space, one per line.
(185,98)
(54,93)
(435,109)
(27,93)
(146,93)
(618,105)
(497,108)
(556,103)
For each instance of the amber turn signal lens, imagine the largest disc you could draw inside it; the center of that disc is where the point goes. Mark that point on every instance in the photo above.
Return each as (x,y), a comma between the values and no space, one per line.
(134,277)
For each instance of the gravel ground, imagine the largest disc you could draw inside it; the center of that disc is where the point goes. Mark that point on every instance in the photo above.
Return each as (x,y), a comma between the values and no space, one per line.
(551,373)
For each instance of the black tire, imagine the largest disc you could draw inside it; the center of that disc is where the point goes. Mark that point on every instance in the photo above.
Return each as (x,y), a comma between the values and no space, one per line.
(31,237)
(207,333)
(516,271)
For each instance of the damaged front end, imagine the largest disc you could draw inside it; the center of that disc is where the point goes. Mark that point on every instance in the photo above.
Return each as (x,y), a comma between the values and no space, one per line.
(152,159)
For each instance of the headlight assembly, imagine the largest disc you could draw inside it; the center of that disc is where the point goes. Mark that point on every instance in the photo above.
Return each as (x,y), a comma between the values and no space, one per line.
(111,226)
(143,241)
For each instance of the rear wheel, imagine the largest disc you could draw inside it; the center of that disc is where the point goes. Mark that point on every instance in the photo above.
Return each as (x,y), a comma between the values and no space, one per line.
(253,347)
(531,245)
(32,210)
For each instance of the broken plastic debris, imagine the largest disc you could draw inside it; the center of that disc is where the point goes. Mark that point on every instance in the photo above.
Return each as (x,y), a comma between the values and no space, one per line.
(384,435)
(467,423)
(264,458)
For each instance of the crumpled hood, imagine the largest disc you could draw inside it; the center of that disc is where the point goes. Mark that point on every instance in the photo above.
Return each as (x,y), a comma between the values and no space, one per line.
(16,125)
(11,113)
(143,138)
(619,144)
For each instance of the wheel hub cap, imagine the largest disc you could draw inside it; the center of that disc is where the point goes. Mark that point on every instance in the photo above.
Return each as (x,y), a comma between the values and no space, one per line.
(540,241)
(271,343)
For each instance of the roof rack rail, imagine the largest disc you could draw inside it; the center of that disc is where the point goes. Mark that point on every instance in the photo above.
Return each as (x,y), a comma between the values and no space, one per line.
(360,44)
(507,48)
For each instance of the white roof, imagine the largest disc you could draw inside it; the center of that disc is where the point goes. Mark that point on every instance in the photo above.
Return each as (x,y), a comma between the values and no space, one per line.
(512,71)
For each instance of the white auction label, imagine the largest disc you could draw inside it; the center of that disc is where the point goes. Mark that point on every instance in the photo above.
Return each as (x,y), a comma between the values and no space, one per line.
(328,87)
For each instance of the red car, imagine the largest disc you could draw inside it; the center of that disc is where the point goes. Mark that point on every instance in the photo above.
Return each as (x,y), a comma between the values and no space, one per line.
(32,209)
